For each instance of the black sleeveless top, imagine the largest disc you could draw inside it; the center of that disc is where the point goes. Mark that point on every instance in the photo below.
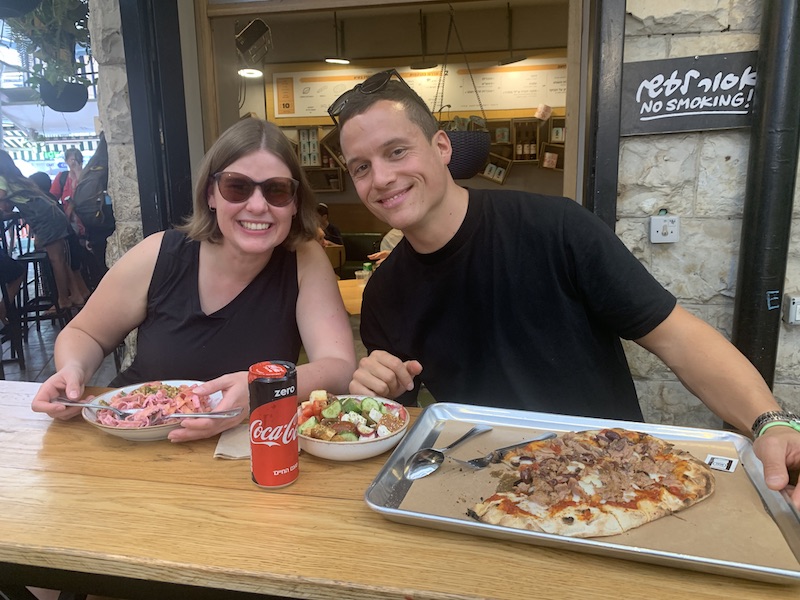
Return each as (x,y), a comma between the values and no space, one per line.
(177,340)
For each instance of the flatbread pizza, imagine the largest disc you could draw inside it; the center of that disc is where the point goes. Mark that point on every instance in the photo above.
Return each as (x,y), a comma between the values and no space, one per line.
(595,483)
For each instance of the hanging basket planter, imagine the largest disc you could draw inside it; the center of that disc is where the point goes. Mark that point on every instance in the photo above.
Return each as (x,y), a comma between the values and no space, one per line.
(66,97)
(11,9)
(470,152)
(470,146)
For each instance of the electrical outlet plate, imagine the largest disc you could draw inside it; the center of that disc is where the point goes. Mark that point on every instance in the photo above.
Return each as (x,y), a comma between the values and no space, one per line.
(791,309)
(665,229)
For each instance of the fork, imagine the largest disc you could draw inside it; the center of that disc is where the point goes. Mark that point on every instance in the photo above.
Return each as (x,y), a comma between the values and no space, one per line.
(496,455)
(123,413)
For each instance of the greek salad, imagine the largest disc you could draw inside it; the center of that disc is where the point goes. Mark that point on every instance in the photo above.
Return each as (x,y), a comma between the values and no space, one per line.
(347,419)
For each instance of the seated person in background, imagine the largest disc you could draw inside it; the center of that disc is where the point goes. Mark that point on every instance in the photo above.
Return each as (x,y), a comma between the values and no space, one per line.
(332,233)
(389,241)
(50,228)
(452,309)
(241,282)
(76,251)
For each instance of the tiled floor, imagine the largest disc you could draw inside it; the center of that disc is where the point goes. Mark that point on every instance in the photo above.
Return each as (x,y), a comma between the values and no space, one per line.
(39,362)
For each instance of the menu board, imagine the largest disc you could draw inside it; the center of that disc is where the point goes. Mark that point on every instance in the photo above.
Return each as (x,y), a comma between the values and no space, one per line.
(523,85)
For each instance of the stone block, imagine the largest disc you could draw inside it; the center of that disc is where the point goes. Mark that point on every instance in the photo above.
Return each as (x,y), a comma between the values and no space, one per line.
(697,268)
(657,171)
(679,16)
(788,396)
(722,176)
(114,105)
(105,29)
(712,43)
(645,47)
(746,15)
(669,403)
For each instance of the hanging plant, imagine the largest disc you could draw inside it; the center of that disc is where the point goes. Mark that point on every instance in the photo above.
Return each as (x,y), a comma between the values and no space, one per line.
(51,33)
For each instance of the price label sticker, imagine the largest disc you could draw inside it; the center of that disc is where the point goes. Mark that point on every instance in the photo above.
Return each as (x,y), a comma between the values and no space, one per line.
(722,463)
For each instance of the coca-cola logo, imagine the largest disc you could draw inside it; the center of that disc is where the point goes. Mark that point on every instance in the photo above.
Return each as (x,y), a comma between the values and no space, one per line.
(278,435)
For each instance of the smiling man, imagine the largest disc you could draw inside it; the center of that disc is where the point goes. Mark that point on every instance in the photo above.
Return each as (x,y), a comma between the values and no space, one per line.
(517,300)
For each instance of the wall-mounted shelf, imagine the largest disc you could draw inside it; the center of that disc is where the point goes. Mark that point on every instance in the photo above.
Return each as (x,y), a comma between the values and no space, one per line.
(552,156)
(526,140)
(325,179)
(557,133)
(496,169)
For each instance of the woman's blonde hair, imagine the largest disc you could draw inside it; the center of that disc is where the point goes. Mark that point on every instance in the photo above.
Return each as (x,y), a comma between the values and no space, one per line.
(245,137)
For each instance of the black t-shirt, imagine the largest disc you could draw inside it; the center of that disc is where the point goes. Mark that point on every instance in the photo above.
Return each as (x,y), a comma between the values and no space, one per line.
(522,309)
(333,235)
(177,340)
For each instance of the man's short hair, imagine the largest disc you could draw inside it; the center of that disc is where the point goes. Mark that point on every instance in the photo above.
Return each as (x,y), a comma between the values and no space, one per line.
(394,91)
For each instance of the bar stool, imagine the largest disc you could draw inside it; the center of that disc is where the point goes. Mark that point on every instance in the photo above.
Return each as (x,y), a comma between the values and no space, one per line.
(39,293)
(13,332)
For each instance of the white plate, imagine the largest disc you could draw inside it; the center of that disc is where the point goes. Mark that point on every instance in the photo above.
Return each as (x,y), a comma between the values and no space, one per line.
(140,434)
(359,450)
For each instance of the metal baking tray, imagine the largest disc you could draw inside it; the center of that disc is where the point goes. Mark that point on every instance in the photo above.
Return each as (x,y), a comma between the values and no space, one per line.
(386,493)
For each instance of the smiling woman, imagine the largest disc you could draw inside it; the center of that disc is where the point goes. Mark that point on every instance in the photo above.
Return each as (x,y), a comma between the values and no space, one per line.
(241,282)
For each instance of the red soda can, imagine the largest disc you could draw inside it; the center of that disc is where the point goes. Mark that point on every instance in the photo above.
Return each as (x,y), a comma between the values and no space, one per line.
(273,423)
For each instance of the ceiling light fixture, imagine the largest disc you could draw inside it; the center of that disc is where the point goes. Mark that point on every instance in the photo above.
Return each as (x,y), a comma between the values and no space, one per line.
(511,58)
(337,58)
(250,72)
(423,33)
(252,45)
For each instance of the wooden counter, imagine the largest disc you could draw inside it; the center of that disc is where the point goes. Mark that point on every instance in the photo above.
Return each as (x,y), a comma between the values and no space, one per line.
(352,291)
(82,510)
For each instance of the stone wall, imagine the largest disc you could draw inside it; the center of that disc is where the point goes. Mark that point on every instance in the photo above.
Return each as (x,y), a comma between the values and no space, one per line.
(115,120)
(702,178)
(105,29)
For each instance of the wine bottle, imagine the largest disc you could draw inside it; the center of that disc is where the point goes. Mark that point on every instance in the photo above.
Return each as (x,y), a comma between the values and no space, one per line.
(518,154)
(526,144)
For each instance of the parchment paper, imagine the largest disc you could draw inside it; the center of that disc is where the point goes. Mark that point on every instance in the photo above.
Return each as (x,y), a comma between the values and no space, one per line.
(731,525)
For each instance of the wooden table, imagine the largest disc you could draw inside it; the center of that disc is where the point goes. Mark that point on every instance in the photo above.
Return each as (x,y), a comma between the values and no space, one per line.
(352,291)
(82,510)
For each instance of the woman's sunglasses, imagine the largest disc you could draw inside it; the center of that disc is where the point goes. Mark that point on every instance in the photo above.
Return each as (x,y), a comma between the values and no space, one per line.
(237,188)
(372,84)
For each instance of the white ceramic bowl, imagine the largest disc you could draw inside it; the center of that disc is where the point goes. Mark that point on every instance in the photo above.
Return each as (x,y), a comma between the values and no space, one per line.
(348,451)
(140,434)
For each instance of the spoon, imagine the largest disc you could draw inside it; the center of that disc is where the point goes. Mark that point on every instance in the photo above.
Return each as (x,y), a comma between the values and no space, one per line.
(123,413)
(427,460)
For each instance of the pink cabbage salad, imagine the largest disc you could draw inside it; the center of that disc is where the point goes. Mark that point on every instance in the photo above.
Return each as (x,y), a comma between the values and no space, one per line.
(157,402)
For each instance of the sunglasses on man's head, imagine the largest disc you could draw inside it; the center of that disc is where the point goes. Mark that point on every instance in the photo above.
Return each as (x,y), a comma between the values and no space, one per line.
(372,84)
(237,188)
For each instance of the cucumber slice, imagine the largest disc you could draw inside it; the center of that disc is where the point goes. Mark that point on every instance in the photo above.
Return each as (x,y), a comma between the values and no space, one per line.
(351,405)
(311,422)
(367,404)
(332,410)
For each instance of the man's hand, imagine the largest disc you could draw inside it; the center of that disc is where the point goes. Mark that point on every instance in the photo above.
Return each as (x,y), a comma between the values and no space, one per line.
(779,452)
(379,257)
(385,375)
(235,392)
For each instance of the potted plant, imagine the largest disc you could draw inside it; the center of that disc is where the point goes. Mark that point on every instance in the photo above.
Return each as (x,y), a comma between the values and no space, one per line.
(50,32)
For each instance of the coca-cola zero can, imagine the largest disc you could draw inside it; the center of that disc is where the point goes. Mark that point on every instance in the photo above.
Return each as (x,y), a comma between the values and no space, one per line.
(273,423)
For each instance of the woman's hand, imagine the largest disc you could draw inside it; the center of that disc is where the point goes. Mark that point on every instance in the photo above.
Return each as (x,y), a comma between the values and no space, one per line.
(235,392)
(67,382)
